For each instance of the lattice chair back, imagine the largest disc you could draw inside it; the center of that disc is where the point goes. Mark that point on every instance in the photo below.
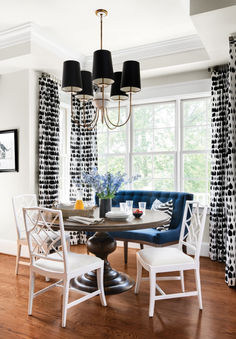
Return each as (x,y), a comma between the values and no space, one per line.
(19,202)
(192,228)
(42,239)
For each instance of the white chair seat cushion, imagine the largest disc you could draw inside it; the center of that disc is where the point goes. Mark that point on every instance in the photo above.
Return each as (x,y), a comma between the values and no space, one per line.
(75,261)
(164,256)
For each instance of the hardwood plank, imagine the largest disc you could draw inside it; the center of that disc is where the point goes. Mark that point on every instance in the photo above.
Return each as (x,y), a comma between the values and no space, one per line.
(126,315)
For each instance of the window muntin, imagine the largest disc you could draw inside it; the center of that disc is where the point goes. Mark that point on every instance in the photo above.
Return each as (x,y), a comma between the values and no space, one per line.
(195,152)
(167,143)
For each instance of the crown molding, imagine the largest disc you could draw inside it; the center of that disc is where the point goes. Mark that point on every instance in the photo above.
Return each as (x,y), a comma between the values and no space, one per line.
(156,49)
(15,35)
(32,33)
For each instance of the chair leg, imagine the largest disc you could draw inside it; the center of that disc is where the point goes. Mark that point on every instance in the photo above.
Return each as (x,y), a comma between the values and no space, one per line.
(198,285)
(152,281)
(126,251)
(182,280)
(65,301)
(31,292)
(138,277)
(68,244)
(100,274)
(18,258)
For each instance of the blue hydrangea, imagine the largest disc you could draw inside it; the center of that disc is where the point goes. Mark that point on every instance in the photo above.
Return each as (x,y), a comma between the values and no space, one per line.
(106,185)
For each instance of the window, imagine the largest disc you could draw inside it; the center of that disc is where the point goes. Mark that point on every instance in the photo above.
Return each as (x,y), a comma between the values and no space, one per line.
(153,146)
(167,143)
(64,148)
(113,146)
(195,150)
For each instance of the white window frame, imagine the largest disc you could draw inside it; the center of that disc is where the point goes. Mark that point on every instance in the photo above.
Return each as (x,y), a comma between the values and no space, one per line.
(179,152)
(132,153)
(64,171)
(183,152)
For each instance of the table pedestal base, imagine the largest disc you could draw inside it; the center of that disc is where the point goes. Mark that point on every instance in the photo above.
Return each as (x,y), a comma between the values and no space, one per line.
(102,244)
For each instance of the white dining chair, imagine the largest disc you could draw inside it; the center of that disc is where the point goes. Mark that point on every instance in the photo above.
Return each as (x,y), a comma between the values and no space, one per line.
(170,259)
(61,264)
(19,202)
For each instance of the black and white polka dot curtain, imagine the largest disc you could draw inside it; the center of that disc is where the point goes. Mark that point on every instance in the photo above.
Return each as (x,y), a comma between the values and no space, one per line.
(84,157)
(223,170)
(49,110)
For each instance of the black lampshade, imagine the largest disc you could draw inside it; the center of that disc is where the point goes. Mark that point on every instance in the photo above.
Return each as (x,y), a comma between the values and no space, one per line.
(102,68)
(71,77)
(130,80)
(87,91)
(116,93)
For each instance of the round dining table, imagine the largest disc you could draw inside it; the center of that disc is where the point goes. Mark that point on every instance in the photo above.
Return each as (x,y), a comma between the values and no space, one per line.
(101,244)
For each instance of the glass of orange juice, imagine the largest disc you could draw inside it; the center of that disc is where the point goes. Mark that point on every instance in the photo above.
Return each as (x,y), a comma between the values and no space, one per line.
(79,205)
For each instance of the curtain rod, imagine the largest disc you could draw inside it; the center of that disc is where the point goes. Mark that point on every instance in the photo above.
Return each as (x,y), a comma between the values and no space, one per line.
(232,38)
(52,77)
(223,67)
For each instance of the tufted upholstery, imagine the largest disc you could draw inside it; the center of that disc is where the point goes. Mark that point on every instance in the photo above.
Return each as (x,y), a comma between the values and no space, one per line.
(152,235)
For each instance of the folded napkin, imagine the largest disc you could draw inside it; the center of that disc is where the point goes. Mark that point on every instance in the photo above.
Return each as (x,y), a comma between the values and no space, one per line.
(85,221)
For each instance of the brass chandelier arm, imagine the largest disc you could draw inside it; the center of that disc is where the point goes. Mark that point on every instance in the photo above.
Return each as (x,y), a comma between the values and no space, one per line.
(106,122)
(118,119)
(84,125)
(91,122)
(95,123)
(130,111)
(88,127)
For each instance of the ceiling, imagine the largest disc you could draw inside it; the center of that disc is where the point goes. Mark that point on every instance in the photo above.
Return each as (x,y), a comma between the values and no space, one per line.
(74,24)
(168,37)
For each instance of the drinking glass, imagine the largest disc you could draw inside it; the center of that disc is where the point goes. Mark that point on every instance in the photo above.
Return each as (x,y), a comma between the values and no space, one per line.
(129,206)
(123,207)
(142,206)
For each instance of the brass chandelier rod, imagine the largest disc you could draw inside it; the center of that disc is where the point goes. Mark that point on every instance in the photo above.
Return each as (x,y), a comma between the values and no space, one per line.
(101,31)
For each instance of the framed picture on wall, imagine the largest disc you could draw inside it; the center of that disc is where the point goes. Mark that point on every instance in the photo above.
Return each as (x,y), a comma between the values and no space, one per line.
(9,151)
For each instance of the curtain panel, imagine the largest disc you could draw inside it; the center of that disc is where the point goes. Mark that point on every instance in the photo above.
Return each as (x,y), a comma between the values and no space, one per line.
(49,133)
(84,157)
(223,169)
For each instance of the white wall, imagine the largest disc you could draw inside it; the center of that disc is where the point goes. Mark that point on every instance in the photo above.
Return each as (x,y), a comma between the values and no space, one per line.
(17,110)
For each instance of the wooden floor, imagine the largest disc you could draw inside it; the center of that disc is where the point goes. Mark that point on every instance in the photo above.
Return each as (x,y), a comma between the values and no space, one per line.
(126,315)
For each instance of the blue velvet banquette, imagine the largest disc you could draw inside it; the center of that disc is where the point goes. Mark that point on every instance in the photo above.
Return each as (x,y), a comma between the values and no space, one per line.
(152,236)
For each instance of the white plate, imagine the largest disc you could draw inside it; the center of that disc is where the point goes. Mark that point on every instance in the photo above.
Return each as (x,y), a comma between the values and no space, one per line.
(117,215)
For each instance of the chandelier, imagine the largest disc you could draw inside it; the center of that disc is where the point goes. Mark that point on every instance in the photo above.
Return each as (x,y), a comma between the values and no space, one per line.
(87,86)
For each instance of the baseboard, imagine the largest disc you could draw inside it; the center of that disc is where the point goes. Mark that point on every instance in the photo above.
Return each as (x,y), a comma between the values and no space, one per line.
(10,246)
(204,249)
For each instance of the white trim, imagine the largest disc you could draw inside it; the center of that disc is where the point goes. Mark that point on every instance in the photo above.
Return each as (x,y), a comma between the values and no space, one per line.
(203,253)
(30,32)
(156,49)
(10,246)
(15,35)
(187,90)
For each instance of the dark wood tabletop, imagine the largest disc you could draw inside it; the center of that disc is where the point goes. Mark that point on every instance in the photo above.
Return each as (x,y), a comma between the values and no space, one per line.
(150,219)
